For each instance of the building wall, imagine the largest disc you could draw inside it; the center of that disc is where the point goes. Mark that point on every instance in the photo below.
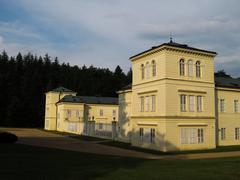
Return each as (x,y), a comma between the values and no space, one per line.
(93,112)
(70,117)
(125,108)
(167,118)
(229,119)
(50,108)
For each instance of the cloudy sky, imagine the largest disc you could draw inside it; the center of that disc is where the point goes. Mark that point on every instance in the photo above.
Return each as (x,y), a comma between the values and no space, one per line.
(106,32)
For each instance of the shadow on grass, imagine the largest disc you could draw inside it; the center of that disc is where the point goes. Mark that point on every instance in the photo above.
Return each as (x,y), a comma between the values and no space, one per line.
(23,161)
(150,151)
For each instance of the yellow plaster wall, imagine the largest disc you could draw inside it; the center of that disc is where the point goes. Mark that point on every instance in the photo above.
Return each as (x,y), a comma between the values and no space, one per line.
(228,119)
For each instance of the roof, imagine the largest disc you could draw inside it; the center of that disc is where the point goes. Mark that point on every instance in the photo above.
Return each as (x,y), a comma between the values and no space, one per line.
(61,89)
(129,86)
(227,82)
(177,45)
(90,100)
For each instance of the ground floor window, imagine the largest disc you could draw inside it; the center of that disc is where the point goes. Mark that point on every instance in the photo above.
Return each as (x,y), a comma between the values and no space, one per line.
(192,135)
(152,135)
(237,133)
(223,133)
(141,132)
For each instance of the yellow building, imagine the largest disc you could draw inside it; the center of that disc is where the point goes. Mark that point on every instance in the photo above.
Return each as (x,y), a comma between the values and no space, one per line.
(67,112)
(172,103)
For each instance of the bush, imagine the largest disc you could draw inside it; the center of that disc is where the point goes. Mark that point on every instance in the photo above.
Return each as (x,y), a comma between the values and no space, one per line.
(6,137)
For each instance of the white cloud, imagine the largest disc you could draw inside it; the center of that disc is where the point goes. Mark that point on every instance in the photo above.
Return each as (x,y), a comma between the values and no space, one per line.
(107,32)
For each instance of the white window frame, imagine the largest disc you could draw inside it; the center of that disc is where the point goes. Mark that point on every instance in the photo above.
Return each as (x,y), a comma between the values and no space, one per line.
(141,104)
(236,106)
(183,102)
(182,67)
(199,103)
(191,103)
(198,69)
(147,103)
(141,134)
(190,68)
(223,133)
(191,135)
(237,133)
(147,70)
(142,71)
(154,68)
(101,112)
(153,97)
(222,105)
(152,135)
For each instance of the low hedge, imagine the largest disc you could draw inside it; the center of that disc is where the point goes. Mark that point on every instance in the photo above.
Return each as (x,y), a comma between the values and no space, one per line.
(6,137)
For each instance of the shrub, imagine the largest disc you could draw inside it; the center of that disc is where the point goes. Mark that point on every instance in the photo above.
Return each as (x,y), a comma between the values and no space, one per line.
(6,137)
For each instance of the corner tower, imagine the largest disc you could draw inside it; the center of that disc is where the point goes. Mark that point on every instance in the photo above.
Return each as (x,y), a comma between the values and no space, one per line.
(52,97)
(173,98)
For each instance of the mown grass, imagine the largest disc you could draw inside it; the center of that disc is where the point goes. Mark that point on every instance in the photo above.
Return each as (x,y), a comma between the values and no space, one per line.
(29,162)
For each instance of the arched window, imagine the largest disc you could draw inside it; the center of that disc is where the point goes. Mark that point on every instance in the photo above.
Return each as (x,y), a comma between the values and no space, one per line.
(153,68)
(198,69)
(181,67)
(190,68)
(142,71)
(147,70)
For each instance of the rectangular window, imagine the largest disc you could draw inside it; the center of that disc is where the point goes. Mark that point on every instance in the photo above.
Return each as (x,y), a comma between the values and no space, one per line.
(200,136)
(191,135)
(153,103)
(183,102)
(142,104)
(199,103)
(101,112)
(152,135)
(114,112)
(141,133)
(77,114)
(237,133)
(223,133)
(191,103)
(236,106)
(147,103)
(222,105)
(69,113)
(100,126)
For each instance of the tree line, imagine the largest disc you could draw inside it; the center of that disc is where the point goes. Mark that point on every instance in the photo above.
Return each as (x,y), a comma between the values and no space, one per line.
(25,79)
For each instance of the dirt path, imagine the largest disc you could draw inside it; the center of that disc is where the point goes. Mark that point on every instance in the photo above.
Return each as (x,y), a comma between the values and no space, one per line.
(37,137)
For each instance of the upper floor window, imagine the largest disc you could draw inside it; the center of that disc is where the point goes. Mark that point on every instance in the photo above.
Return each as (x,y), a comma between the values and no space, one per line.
(191,103)
(198,69)
(182,67)
(190,68)
(114,112)
(153,68)
(142,104)
(153,103)
(101,112)
(199,103)
(183,102)
(147,70)
(236,106)
(222,105)
(147,103)
(142,71)
(69,113)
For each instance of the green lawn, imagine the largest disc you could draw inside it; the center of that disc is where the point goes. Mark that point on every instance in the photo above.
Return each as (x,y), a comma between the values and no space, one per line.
(28,162)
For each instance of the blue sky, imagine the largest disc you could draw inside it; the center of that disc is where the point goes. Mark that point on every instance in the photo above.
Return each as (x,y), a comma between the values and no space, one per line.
(106,32)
